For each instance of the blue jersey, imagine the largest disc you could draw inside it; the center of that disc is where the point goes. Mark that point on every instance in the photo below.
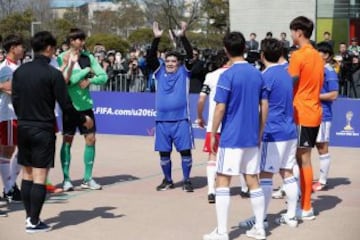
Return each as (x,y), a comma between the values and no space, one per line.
(172,94)
(280,125)
(331,83)
(239,88)
(285,65)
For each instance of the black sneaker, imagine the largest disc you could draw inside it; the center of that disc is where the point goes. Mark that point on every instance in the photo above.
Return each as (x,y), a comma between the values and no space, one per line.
(14,195)
(211,198)
(244,194)
(3,214)
(187,187)
(40,227)
(165,185)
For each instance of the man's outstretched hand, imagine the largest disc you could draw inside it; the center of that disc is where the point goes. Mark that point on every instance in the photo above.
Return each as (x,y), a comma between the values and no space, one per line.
(156,30)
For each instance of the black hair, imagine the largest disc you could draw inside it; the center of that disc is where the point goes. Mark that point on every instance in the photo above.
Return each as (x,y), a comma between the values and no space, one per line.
(174,54)
(271,49)
(234,43)
(304,24)
(12,40)
(327,33)
(325,47)
(269,34)
(216,60)
(75,33)
(283,33)
(41,40)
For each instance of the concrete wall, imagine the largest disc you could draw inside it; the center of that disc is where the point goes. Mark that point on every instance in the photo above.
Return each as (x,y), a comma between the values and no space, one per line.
(261,16)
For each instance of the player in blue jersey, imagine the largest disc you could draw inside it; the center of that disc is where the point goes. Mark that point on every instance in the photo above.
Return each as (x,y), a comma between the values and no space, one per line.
(173,125)
(238,98)
(283,61)
(329,93)
(279,140)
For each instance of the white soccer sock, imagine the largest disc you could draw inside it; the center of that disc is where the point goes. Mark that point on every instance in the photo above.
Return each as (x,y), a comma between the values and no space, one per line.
(243,185)
(222,208)
(14,169)
(296,171)
(211,173)
(296,174)
(324,167)
(4,171)
(291,189)
(266,185)
(258,205)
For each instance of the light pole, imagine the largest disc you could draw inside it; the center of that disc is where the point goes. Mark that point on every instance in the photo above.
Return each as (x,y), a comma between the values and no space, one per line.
(32,34)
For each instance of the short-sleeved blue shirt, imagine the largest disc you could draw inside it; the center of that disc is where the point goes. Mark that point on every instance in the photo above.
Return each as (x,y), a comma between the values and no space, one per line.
(172,94)
(331,83)
(280,125)
(239,88)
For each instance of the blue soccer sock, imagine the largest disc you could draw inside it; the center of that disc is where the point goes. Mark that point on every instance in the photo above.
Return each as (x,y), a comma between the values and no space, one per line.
(165,163)
(186,163)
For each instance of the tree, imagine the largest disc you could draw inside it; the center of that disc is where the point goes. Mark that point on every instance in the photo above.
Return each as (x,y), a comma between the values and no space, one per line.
(205,41)
(169,13)
(141,36)
(18,23)
(144,36)
(40,9)
(109,41)
(216,13)
(61,28)
(131,16)
(8,7)
(104,22)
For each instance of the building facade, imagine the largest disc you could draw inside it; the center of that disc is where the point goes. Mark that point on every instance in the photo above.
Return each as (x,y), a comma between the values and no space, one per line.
(339,17)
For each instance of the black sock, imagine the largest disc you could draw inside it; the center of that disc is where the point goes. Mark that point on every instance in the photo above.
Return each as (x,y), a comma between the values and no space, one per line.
(38,194)
(26,187)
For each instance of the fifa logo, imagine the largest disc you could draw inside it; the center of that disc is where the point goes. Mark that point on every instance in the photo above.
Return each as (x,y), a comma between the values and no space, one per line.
(349,115)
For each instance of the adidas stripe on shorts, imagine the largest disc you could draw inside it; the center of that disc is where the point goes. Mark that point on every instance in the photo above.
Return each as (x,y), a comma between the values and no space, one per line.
(278,155)
(236,161)
(324,132)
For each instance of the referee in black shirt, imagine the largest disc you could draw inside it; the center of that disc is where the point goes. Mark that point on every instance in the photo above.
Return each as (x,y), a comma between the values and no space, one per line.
(35,88)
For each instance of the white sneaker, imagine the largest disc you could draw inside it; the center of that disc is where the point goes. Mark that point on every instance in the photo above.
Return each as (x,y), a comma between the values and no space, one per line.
(285,220)
(278,194)
(250,222)
(27,222)
(305,215)
(91,184)
(256,233)
(214,235)
(67,186)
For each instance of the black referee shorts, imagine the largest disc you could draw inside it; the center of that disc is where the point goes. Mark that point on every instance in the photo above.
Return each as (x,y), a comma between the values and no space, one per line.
(36,147)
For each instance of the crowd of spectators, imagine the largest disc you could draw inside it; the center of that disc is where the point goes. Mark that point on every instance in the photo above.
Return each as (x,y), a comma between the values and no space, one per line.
(128,72)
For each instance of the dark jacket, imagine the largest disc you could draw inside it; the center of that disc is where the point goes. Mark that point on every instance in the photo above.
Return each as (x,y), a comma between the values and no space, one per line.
(36,86)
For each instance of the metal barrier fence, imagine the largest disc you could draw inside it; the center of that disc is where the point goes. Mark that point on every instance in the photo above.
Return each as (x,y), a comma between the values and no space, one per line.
(123,82)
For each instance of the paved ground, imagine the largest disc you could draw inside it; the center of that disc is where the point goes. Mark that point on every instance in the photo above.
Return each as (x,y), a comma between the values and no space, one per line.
(129,207)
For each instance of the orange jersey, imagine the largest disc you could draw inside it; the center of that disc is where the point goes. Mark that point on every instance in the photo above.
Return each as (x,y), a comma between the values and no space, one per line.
(307,64)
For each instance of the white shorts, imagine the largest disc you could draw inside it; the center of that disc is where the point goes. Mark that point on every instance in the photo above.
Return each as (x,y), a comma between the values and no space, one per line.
(278,155)
(324,132)
(236,161)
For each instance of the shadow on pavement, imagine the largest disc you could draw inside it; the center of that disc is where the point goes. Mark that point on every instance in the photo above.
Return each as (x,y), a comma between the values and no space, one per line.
(75,217)
(107,180)
(334,182)
(197,182)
